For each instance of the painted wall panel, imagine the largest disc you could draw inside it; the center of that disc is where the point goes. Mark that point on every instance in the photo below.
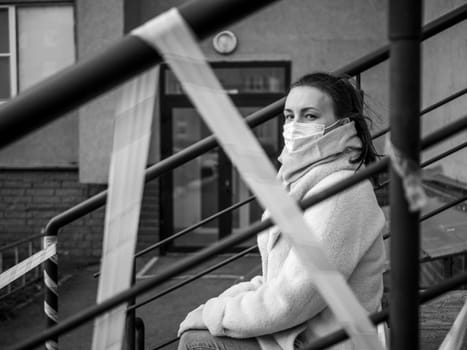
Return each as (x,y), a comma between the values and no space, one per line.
(45,44)
(99,23)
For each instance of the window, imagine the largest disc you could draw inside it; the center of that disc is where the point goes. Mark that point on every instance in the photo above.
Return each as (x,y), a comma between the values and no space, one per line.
(35,42)
(7,53)
(257,78)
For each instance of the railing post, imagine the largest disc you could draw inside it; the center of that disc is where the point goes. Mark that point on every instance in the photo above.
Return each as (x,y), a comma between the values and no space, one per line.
(51,289)
(404,36)
(139,327)
(131,314)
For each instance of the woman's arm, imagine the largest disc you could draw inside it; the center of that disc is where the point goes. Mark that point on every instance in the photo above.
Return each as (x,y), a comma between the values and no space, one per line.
(290,298)
(242,287)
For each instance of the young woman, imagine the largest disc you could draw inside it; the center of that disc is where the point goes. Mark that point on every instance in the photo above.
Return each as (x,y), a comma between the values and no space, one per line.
(326,140)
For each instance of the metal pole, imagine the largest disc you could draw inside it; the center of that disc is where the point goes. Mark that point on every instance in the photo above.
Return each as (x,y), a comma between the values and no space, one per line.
(131,314)
(404,36)
(139,324)
(51,290)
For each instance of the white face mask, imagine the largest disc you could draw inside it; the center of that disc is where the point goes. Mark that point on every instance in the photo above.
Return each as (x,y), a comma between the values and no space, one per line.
(296,134)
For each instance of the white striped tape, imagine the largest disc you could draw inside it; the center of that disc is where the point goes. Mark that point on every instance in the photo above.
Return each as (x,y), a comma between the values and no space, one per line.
(50,312)
(27,265)
(50,284)
(170,36)
(132,131)
(51,345)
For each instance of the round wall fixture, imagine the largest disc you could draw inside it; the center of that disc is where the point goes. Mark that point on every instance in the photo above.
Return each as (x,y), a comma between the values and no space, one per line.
(225,42)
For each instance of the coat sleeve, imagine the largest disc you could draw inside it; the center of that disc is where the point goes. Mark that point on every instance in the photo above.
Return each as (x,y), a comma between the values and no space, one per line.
(290,298)
(242,287)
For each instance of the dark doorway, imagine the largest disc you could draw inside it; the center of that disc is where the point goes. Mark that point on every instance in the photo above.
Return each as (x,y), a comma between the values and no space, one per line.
(209,183)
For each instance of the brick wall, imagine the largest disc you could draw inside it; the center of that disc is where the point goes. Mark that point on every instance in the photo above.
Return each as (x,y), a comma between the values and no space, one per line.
(29,199)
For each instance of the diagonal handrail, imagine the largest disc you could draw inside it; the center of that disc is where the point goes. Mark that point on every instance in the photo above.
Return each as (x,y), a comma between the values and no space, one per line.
(90,78)
(430,108)
(256,118)
(195,277)
(206,253)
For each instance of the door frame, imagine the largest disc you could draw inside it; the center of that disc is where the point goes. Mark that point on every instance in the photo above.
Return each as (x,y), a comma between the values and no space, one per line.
(168,102)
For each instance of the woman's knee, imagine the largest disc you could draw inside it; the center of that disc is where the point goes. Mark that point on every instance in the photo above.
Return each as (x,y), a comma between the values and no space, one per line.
(196,339)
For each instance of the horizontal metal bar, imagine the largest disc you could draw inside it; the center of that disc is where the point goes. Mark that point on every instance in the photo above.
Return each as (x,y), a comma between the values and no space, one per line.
(431,160)
(193,227)
(171,341)
(428,109)
(429,30)
(444,132)
(443,208)
(195,277)
(444,154)
(436,211)
(444,101)
(21,241)
(188,229)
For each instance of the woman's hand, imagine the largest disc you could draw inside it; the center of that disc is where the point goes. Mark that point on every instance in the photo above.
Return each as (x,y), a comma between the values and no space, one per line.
(194,320)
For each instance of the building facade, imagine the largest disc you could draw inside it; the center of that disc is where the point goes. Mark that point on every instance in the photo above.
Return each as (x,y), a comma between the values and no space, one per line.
(67,161)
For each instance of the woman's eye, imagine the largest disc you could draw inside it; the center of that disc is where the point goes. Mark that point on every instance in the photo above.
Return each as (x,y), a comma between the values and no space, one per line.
(288,117)
(310,116)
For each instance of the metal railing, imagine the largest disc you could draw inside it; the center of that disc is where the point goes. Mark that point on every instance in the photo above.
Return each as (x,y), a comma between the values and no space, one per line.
(255,119)
(218,247)
(112,68)
(235,257)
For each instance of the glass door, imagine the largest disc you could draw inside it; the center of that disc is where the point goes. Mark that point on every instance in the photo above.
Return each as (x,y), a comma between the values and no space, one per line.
(267,134)
(203,186)
(195,184)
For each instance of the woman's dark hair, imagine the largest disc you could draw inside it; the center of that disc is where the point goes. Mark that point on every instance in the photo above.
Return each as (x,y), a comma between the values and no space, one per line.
(347,102)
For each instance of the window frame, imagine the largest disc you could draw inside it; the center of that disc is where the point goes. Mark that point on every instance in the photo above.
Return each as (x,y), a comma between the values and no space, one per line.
(12,51)
(12,6)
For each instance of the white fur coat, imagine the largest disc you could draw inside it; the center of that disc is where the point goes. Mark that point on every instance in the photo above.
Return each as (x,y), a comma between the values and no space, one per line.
(282,307)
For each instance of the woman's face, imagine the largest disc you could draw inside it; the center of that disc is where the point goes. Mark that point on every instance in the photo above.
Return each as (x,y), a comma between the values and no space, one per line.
(306,104)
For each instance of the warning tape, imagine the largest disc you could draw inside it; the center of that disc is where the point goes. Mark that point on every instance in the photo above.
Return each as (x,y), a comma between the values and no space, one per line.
(132,132)
(26,265)
(411,175)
